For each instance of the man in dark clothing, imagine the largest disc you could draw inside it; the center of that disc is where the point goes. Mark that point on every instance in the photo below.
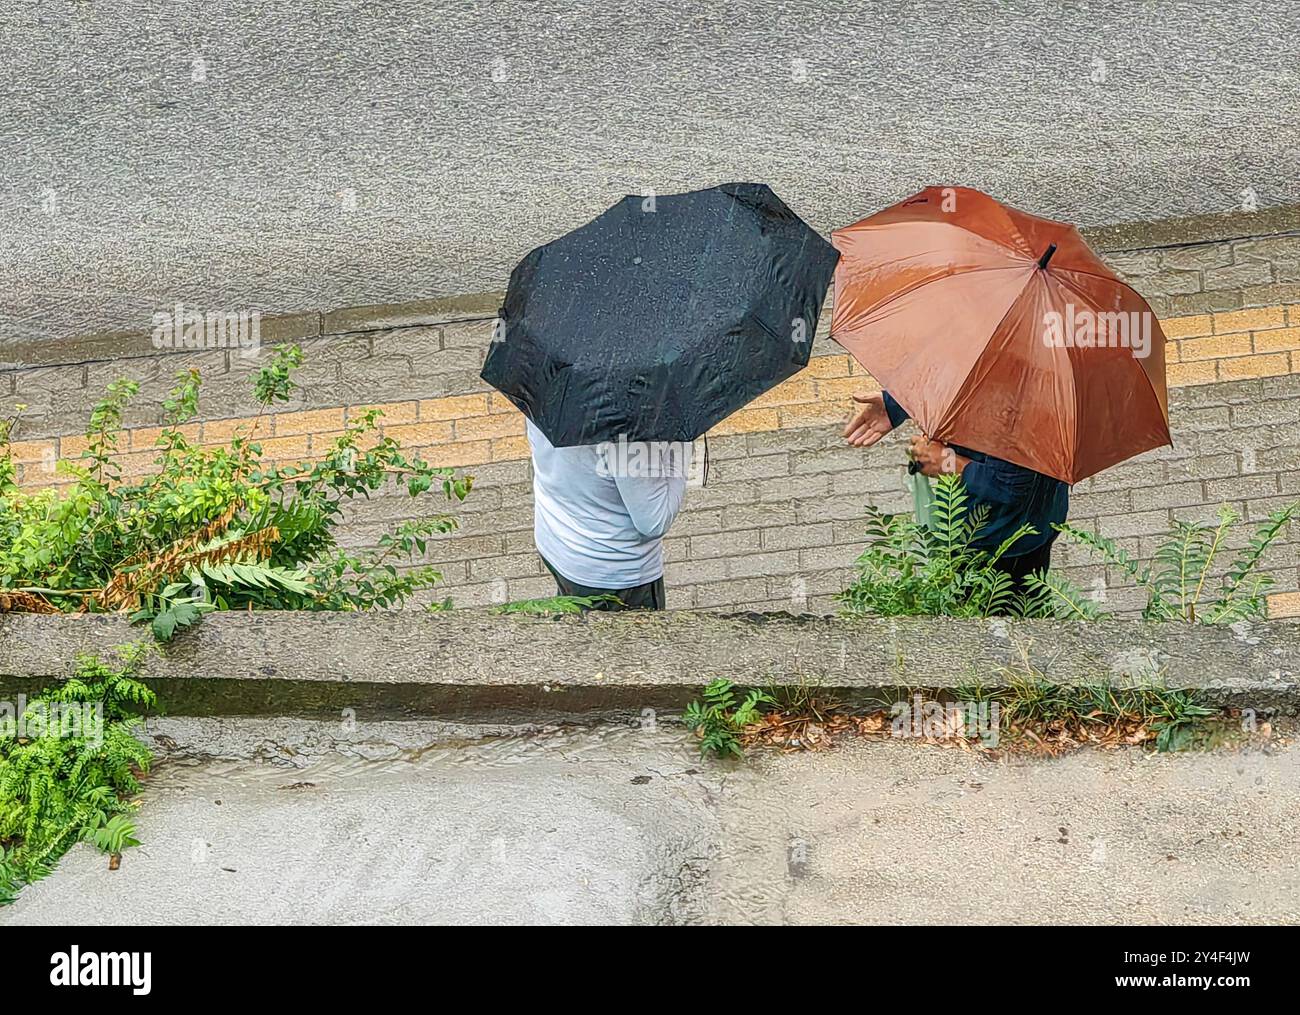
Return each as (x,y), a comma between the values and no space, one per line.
(1015,496)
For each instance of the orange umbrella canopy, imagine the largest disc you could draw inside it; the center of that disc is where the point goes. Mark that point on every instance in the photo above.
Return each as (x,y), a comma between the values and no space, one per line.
(1002,332)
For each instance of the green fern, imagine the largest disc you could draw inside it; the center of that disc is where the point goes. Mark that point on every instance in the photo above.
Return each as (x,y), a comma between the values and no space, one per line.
(719,720)
(257,535)
(111,834)
(1241,595)
(1113,554)
(912,569)
(555,605)
(1178,581)
(1061,598)
(58,787)
(252,576)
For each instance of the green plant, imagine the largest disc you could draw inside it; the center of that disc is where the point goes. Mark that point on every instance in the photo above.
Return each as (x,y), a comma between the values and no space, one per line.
(806,698)
(1170,719)
(69,765)
(1180,581)
(555,605)
(911,569)
(112,834)
(719,721)
(214,528)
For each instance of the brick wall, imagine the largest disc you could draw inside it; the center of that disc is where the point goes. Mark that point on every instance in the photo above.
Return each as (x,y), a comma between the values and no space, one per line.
(780,522)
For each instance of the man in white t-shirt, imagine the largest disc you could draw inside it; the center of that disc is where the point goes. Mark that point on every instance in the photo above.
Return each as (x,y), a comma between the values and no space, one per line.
(601,512)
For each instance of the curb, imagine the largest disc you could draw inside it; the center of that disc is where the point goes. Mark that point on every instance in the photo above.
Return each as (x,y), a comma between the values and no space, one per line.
(476,665)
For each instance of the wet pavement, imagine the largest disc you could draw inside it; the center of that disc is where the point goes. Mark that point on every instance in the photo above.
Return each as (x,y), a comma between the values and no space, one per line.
(242,155)
(404,823)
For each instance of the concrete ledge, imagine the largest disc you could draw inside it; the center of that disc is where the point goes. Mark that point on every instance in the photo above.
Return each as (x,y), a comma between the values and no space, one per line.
(275,329)
(475,664)
(419,313)
(126,345)
(121,345)
(1232,225)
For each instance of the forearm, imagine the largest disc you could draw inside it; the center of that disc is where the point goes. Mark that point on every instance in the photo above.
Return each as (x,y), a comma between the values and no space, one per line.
(654,498)
(652,503)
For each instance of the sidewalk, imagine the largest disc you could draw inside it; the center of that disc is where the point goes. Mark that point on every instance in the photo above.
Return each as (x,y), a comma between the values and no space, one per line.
(628,826)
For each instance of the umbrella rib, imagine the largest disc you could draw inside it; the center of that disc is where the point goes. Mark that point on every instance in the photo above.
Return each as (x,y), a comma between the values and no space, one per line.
(1024,243)
(993,331)
(1151,387)
(1049,280)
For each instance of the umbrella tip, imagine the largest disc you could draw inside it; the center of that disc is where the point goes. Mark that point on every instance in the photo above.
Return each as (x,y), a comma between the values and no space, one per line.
(1047,255)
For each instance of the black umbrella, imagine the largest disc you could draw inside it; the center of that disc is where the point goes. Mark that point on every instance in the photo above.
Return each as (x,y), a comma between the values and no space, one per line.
(661,317)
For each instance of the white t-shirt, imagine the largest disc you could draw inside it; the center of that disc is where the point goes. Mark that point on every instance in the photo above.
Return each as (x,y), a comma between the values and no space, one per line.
(601,510)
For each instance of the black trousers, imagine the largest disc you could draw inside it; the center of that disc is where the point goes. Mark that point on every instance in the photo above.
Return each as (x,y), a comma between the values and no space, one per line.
(1018,567)
(649,596)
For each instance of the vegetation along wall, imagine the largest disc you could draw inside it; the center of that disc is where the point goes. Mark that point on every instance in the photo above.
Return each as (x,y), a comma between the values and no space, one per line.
(781,519)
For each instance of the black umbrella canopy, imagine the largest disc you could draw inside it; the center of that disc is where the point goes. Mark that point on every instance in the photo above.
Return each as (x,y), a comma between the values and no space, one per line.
(661,317)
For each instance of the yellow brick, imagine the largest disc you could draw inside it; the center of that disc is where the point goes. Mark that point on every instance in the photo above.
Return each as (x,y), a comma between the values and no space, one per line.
(842,390)
(1187,327)
(393,412)
(364,441)
(223,431)
(323,443)
(1283,604)
(1276,339)
(1269,365)
(289,424)
(748,421)
(137,463)
(1293,314)
(288,448)
(419,435)
(146,437)
(476,428)
(456,407)
(1237,344)
(500,403)
(33,452)
(1179,374)
(71,447)
(813,414)
(1250,320)
(510,449)
(789,392)
(1172,355)
(44,472)
(455,455)
(828,366)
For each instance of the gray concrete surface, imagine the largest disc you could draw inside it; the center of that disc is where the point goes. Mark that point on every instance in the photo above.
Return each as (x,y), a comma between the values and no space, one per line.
(240,155)
(302,825)
(476,664)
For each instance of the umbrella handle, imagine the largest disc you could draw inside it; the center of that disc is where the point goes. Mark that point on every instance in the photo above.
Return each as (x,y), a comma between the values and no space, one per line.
(913,466)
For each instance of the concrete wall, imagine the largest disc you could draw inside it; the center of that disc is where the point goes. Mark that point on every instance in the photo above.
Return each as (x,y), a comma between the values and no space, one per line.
(473,663)
(780,522)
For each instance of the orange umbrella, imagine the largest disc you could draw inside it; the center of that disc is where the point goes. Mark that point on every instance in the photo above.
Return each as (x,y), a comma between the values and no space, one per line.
(1001,331)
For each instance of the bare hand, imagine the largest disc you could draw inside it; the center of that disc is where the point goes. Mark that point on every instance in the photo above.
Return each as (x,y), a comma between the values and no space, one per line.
(870,423)
(935,457)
